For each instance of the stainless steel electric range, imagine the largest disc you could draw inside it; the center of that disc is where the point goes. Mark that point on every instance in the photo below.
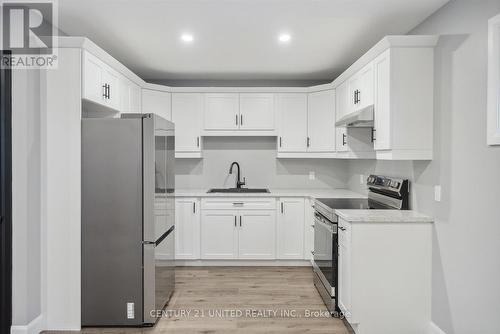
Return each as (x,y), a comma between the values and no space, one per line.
(384,193)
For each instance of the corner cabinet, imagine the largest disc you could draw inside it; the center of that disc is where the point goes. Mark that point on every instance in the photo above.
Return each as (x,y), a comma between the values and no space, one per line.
(187,113)
(235,114)
(157,102)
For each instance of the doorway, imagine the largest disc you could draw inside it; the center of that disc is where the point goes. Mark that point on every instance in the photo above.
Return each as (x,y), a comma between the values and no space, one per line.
(5,199)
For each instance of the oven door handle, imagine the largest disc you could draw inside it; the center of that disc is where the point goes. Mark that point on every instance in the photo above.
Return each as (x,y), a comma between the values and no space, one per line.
(326,226)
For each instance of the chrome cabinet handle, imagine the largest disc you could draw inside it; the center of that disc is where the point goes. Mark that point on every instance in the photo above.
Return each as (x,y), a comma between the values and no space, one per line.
(342,228)
(235,221)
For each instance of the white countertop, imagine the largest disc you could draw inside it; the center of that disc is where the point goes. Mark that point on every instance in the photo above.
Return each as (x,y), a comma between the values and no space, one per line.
(383,216)
(313,193)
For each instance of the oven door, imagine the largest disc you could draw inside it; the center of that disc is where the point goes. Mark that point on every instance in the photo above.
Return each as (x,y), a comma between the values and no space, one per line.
(326,252)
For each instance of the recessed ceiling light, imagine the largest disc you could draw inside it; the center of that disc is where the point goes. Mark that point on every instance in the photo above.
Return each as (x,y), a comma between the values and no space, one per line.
(284,38)
(187,38)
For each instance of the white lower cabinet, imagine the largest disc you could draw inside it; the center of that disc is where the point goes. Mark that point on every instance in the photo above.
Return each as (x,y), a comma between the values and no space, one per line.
(344,268)
(290,237)
(219,234)
(238,234)
(257,234)
(385,269)
(187,229)
(225,228)
(309,229)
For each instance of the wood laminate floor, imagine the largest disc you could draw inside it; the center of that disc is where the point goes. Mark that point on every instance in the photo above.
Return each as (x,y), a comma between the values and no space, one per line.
(242,300)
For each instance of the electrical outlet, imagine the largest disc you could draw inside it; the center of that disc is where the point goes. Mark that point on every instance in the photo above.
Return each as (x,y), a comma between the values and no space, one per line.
(312,175)
(437,193)
(130,311)
(361,179)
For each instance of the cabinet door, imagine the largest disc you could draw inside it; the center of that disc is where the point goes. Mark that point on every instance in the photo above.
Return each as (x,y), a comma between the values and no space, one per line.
(354,84)
(292,109)
(135,98)
(130,96)
(156,102)
(112,78)
(93,89)
(187,111)
(344,275)
(219,234)
(308,229)
(321,121)
(342,100)
(257,234)
(187,228)
(291,228)
(341,140)
(382,102)
(365,95)
(221,112)
(256,111)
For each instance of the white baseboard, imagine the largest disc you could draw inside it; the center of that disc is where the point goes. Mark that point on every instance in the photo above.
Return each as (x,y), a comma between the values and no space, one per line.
(243,263)
(434,329)
(34,327)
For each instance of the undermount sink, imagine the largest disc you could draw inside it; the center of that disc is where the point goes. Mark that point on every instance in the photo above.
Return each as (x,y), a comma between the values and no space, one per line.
(238,190)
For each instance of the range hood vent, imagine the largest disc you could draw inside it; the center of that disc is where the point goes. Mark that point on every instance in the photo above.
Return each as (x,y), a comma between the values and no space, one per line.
(359,119)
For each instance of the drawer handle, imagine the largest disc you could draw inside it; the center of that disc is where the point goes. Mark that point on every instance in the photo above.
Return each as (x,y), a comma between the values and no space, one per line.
(238,203)
(342,228)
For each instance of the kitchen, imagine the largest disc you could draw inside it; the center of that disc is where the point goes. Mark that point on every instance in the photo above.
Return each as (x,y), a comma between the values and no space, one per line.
(268,198)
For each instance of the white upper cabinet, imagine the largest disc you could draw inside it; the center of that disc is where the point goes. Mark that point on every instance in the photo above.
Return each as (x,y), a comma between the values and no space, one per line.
(361,89)
(236,114)
(404,104)
(187,113)
(221,112)
(101,84)
(382,122)
(292,111)
(321,121)
(157,102)
(257,111)
(395,77)
(130,96)
(306,124)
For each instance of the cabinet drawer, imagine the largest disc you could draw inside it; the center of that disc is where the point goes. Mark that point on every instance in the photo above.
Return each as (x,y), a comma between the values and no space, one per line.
(232,203)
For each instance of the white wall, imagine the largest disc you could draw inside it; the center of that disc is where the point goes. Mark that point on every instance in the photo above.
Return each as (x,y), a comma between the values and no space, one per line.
(257,158)
(26,199)
(466,246)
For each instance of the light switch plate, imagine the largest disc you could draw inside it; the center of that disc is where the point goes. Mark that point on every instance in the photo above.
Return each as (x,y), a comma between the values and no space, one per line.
(437,193)
(312,175)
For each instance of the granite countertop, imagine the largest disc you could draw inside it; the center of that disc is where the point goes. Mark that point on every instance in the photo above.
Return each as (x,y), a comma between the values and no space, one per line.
(313,193)
(383,216)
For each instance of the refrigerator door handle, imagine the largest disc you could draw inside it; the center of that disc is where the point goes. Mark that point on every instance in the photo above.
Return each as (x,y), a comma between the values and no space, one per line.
(164,235)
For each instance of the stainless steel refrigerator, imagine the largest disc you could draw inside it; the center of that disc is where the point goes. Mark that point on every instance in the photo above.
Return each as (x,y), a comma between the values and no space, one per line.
(128,182)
